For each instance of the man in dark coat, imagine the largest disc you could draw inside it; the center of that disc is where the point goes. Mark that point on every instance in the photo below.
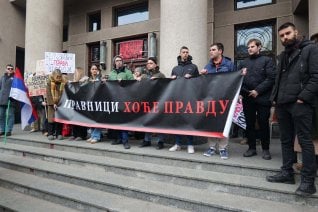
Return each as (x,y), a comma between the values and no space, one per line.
(256,90)
(295,94)
(6,123)
(187,69)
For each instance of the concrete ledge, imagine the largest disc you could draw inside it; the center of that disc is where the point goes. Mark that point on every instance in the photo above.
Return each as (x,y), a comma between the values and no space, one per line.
(139,185)
(15,201)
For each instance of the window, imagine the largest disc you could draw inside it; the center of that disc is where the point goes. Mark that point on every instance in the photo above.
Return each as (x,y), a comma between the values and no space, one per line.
(93,54)
(131,14)
(241,4)
(134,51)
(94,21)
(264,31)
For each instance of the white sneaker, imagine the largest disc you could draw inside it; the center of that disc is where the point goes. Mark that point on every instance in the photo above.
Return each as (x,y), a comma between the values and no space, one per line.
(174,148)
(190,149)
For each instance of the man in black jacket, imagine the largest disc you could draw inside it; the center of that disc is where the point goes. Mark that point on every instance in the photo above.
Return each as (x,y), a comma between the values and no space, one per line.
(186,69)
(256,90)
(295,93)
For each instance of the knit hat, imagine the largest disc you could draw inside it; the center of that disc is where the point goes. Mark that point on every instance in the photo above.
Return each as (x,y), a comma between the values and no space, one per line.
(117,56)
(153,59)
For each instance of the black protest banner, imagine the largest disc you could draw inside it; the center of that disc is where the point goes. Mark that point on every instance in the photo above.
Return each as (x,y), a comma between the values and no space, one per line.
(202,106)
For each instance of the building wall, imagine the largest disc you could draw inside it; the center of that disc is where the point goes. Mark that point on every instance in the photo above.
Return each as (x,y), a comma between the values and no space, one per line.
(79,37)
(226,18)
(12,33)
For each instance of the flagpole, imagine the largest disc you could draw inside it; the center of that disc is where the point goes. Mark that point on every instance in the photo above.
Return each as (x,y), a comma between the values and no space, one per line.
(6,127)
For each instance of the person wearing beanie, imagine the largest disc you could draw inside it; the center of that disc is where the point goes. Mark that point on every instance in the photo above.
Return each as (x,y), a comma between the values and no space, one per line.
(152,72)
(120,72)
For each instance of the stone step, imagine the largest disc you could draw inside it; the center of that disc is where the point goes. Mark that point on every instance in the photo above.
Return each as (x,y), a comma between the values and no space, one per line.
(139,185)
(89,199)
(241,165)
(15,201)
(77,197)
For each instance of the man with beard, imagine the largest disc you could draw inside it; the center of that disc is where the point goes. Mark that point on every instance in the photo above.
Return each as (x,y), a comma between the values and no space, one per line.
(294,94)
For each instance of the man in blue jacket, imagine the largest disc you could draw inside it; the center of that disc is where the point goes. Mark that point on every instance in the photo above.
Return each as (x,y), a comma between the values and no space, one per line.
(217,64)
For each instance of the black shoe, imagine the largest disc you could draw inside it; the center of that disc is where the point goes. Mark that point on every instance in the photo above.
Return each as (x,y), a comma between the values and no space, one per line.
(266,155)
(306,189)
(145,143)
(281,178)
(9,134)
(250,153)
(126,145)
(160,145)
(116,142)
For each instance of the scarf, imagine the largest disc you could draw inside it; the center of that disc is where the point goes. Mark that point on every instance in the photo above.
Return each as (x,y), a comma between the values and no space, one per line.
(56,91)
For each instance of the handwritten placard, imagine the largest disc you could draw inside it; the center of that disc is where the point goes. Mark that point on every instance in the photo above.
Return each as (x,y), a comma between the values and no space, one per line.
(63,61)
(37,85)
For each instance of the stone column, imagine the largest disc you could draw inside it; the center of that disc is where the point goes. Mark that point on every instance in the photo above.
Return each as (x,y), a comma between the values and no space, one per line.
(313,16)
(182,23)
(44,30)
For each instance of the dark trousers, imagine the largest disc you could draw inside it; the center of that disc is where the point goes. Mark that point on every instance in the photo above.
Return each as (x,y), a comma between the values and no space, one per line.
(79,131)
(254,111)
(296,119)
(55,128)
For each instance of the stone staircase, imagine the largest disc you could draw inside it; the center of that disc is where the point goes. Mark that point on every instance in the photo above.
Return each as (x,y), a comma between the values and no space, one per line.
(41,175)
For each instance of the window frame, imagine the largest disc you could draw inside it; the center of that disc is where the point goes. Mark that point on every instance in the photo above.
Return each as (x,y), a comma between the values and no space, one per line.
(271,53)
(90,27)
(129,7)
(248,7)
(131,63)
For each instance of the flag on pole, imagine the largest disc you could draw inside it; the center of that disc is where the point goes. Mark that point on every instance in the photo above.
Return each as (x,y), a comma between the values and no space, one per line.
(20,93)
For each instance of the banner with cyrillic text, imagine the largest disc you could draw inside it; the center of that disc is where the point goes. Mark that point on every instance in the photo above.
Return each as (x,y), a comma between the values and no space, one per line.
(202,106)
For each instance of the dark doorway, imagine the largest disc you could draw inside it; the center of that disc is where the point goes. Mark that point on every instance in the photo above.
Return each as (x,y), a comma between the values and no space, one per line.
(19,62)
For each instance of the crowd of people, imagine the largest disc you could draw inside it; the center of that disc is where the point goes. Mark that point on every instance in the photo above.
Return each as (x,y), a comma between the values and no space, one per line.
(291,86)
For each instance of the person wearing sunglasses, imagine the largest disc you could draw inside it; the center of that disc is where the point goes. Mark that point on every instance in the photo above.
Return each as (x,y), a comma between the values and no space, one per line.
(6,119)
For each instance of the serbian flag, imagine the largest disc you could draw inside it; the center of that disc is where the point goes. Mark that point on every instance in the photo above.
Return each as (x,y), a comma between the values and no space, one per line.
(20,93)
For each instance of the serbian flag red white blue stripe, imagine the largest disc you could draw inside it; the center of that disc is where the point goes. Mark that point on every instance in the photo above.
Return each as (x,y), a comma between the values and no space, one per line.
(20,93)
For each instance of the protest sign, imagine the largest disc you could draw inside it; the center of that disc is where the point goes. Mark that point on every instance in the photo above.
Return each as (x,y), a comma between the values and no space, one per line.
(63,61)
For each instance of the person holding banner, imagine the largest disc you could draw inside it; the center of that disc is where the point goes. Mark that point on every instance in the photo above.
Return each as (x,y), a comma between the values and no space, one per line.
(79,132)
(217,64)
(120,72)
(54,89)
(7,105)
(95,132)
(186,69)
(256,90)
(152,72)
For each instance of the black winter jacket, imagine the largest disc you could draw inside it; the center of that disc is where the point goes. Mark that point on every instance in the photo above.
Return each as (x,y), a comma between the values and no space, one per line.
(185,67)
(260,76)
(299,80)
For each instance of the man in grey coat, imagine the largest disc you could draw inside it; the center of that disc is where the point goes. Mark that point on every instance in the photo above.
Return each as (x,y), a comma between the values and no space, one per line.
(6,123)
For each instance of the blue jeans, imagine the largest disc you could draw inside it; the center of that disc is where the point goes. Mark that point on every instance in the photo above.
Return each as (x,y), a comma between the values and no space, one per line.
(3,114)
(179,138)
(124,136)
(148,137)
(96,133)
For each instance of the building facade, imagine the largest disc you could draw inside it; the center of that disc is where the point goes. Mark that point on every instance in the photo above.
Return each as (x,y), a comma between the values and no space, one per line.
(97,30)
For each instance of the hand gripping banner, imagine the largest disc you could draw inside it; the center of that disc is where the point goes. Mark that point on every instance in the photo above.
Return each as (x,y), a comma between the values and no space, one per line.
(202,106)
